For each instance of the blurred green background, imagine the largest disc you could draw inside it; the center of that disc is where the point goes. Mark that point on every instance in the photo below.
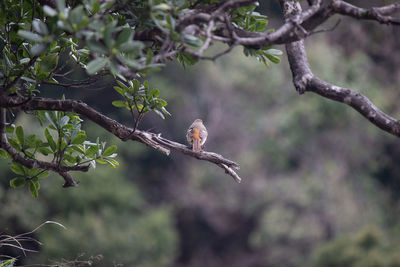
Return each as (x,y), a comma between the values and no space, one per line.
(320,183)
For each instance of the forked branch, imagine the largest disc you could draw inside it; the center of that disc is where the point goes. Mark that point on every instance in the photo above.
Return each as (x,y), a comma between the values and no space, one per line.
(152,140)
(305,81)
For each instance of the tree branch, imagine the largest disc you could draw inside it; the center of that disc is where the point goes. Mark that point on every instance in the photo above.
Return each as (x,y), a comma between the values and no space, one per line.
(376,13)
(121,131)
(304,80)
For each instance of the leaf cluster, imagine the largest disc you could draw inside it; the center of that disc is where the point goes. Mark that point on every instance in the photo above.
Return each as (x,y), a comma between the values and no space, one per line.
(264,55)
(140,99)
(64,143)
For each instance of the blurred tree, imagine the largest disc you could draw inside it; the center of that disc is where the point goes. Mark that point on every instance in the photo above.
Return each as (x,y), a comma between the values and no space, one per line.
(368,247)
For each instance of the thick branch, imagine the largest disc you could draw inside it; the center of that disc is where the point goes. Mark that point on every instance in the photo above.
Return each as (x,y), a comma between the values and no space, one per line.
(375,13)
(119,130)
(33,163)
(304,80)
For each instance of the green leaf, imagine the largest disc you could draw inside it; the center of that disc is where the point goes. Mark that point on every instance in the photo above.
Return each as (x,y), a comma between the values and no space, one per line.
(35,182)
(40,27)
(111,162)
(3,153)
(274,52)
(96,46)
(136,86)
(160,103)
(49,62)
(49,11)
(149,56)
(192,40)
(17,182)
(10,128)
(96,65)
(44,150)
(80,138)
(95,7)
(109,151)
(33,189)
(78,149)
(273,59)
(70,158)
(31,141)
(131,46)
(91,151)
(165,111)
(107,35)
(101,161)
(8,263)
(64,120)
(38,49)
(50,119)
(154,93)
(119,90)
(14,143)
(186,58)
(30,36)
(159,113)
(122,85)
(260,25)
(17,169)
(50,140)
(125,35)
(43,175)
(119,103)
(20,134)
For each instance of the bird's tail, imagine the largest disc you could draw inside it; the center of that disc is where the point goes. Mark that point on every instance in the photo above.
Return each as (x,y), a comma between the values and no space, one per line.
(196,145)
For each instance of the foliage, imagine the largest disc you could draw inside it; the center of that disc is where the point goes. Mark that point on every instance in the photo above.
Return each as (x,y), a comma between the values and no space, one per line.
(141,99)
(368,247)
(7,263)
(68,148)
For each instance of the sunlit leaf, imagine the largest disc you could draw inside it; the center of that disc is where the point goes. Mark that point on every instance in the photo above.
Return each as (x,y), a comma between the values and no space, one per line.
(19,132)
(33,190)
(109,151)
(17,182)
(119,103)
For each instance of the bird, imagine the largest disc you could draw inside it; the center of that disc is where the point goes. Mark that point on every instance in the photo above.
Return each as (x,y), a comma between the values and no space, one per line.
(196,135)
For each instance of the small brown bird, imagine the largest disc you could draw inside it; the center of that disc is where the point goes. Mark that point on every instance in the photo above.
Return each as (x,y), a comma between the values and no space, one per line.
(197,134)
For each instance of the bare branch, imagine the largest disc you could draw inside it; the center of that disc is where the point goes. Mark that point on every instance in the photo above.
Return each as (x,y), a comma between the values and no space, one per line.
(207,42)
(304,80)
(121,131)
